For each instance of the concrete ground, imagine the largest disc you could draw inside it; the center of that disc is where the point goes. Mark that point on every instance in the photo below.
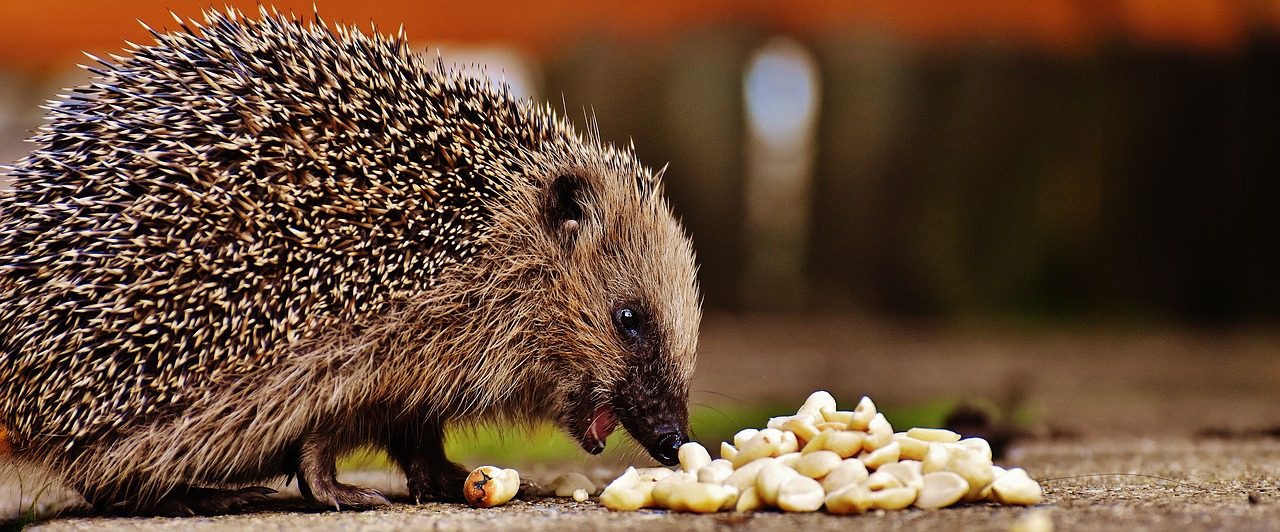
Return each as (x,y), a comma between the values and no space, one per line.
(1139,428)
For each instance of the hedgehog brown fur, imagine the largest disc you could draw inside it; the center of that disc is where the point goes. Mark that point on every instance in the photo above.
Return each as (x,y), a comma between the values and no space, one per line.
(259,244)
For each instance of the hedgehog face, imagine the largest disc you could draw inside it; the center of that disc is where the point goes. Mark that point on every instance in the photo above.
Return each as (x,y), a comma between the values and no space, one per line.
(624,334)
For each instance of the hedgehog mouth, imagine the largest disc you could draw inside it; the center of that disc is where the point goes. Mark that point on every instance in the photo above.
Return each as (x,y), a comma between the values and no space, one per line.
(600,425)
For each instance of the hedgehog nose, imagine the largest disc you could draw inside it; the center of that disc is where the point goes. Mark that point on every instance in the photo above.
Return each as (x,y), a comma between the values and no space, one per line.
(667,450)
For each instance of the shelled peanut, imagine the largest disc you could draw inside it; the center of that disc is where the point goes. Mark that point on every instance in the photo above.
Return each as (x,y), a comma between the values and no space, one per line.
(846,461)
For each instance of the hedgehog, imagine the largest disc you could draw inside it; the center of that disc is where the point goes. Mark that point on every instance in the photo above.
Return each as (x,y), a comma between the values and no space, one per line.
(261,243)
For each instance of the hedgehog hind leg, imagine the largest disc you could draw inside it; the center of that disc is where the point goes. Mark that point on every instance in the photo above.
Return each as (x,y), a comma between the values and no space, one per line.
(179,502)
(318,477)
(430,475)
(209,501)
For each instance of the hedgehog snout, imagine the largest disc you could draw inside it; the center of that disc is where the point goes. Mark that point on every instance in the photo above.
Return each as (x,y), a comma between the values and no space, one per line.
(668,446)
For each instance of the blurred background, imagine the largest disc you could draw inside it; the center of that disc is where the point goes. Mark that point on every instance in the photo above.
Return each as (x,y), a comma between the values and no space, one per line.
(1063,211)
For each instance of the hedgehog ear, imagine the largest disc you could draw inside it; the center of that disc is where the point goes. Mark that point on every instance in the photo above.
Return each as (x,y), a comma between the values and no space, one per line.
(563,210)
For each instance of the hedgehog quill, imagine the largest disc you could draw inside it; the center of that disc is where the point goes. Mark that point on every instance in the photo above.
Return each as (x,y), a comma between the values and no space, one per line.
(260,243)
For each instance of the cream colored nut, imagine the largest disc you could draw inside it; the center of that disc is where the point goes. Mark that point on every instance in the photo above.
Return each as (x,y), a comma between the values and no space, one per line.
(800,494)
(489,486)
(881,480)
(646,487)
(628,479)
(932,435)
(693,497)
(941,489)
(978,445)
(885,455)
(803,429)
(820,400)
(731,498)
(728,451)
(831,426)
(906,473)
(770,480)
(851,499)
(654,474)
(892,498)
(788,459)
(716,471)
(693,456)
(817,403)
(743,436)
(778,422)
(975,469)
(862,414)
(912,449)
(790,443)
(843,442)
(837,416)
(817,464)
(1015,486)
(748,501)
(580,495)
(665,489)
(766,443)
(879,433)
(1033,521)
(996,471)
(564,485)
(937,457)
(746,475)
(625,499)
(848,471)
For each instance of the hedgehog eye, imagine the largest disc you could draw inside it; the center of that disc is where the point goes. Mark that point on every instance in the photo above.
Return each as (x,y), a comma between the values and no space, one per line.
(628,323)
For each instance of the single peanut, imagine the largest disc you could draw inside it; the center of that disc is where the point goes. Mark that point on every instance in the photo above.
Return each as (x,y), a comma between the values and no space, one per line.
(884,455)
(1015,486)
(716,471)
(770,480)
(695,497)
(748,501)
(851,499)
(892,498)
(879,433)
(817,464)
(843,442)
(912,449)
(743,436)
(565,485)
(908,473)
(489,486)
(933,435)
(800,494)
(746,475)
(862,414)
(693,456)
(941,489)
(848,471)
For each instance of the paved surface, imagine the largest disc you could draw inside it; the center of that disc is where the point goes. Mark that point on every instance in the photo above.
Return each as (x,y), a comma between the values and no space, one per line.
(1172,429)
(1214,477)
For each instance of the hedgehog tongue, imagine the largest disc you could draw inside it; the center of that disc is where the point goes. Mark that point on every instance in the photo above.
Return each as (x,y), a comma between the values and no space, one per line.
(602,425)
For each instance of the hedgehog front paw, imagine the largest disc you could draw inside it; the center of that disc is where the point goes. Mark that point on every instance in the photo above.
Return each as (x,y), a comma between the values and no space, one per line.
(437,482)
(339,496)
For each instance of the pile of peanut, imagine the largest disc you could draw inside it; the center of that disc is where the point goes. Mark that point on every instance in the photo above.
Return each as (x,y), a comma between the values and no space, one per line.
(847,461)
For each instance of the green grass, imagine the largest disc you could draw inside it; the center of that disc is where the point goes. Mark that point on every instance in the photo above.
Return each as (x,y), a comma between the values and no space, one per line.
(710,426)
